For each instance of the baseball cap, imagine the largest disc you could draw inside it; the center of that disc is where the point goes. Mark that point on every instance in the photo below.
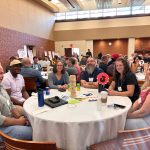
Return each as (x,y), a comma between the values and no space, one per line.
(15,62)
(115,56)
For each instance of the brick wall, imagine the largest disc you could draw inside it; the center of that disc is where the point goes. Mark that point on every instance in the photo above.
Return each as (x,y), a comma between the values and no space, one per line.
(11,41)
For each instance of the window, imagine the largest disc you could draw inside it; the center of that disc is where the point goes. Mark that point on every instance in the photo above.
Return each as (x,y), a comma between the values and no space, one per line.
(109,12)
(83,14)
(95,13)
(147,9)
(138,10)
(123,11)
(60,16)
(71,15)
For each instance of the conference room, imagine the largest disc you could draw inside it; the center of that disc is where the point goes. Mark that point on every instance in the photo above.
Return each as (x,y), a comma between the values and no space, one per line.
(74,74)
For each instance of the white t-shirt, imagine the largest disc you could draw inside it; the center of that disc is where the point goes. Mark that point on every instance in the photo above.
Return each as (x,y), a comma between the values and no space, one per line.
(15,84)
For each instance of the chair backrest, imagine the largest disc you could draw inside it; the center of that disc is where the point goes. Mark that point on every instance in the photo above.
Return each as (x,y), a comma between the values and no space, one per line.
(15,144)
(30,84)
(135,139)
(129,139)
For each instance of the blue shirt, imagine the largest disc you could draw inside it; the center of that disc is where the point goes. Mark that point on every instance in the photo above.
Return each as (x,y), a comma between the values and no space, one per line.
(30,72)
(54,82)
(85,76)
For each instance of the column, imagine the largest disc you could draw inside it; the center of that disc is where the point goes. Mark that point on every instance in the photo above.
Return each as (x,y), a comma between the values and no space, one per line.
(131,46)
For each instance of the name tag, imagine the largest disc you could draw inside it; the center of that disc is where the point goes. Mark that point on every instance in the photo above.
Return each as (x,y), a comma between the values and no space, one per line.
(90,79)
(119,88)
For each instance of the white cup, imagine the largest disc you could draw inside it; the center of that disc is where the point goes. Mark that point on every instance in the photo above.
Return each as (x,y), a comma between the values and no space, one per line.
(104,95)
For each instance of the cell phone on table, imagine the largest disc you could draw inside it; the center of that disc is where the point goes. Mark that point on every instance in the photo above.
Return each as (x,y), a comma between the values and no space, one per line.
(119,106)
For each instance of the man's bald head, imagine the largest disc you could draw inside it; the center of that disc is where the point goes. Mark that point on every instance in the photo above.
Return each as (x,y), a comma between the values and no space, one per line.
(91,64)
(26,62)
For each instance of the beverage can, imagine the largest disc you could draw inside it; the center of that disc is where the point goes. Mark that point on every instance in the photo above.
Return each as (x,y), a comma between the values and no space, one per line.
(47,90)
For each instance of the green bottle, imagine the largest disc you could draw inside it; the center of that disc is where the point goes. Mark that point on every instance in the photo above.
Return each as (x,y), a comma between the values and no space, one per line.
(78,86)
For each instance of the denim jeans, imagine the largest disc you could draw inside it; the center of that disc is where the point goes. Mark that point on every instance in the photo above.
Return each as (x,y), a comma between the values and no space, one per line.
(17,132)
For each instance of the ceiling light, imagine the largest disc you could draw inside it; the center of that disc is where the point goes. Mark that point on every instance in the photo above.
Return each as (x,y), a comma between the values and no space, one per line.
(109,43)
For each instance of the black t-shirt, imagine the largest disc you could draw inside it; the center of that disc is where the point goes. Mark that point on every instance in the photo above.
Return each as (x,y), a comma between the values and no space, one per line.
(147,60)
(130,79)
(89,54)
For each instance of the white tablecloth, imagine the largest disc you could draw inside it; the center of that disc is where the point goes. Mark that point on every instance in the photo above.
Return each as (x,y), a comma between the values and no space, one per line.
(75,128)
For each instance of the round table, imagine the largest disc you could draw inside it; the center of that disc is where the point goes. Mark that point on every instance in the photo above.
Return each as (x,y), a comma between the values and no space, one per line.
(74,127)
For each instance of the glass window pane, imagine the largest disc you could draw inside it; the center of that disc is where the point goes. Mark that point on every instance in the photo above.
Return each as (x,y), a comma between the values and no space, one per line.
(95,13)
(123,11)
(147,9)
(83,14)
(138,10)
(109,12)
(71,15)
(60,16)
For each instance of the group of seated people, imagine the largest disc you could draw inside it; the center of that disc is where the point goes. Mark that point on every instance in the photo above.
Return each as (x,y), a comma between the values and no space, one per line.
(13,93)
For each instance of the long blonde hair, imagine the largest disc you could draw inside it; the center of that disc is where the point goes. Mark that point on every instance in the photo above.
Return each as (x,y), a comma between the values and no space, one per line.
(147,80)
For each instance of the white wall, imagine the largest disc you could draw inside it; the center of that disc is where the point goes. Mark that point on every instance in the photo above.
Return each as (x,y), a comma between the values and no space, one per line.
(82,45)
(27,16)
(89,45)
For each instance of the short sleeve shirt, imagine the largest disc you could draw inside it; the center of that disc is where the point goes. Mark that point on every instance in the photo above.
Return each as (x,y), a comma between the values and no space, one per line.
(15,84)
(130,79)
(5,105)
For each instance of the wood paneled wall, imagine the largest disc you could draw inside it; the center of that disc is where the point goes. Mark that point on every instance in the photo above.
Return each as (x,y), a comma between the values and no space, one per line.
(142,44)
(119,46)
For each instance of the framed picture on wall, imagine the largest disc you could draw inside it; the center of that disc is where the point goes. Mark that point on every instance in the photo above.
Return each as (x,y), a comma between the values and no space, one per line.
(22,53)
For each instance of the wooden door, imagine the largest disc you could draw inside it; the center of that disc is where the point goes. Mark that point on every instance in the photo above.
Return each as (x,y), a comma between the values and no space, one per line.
(68,52)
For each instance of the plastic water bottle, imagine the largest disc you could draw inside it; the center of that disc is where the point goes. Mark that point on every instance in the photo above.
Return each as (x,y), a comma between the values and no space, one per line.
(78,86)
(40,98)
